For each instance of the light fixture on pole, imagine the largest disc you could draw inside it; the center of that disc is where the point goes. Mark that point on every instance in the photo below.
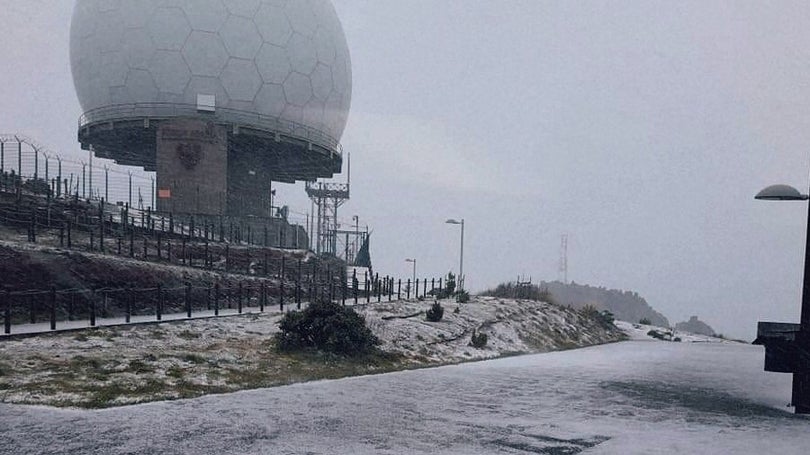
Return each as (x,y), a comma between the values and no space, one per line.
(787,346)
(414,268)
(461,259)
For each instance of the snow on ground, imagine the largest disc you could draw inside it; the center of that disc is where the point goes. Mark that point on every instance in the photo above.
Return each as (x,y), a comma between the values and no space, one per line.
(170,360)
(640,332)
(629,397)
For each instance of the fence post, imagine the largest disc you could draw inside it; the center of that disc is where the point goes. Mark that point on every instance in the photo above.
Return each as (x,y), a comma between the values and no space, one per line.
(262,297)
(188,300)
(32,309)
(132,243)
(368,294)
(68,234)
(379,287)
(354,284)
(331,283)
(281,285)
(298,286)
(399,289)
(390,288)
(239,298)
(408,290)
(159,253)
(159,303)
(93,308)
(216,299)
(130,296)
(207,258)
(6,312)
(183,251)
(344,277)
(53,308)
(424,288)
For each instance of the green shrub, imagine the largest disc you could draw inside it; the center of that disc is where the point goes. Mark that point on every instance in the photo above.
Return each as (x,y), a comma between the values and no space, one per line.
(478,340)
(644,321)
(655,334)
(462,297)
(435,313)
(326,326)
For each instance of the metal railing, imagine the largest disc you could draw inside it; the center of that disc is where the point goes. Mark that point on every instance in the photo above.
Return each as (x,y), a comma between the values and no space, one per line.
(222,115)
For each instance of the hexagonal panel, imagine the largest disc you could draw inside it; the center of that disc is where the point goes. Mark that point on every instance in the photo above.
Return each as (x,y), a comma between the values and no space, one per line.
(141,86)
(301,52)
(137,14)
(270,99)
(114,67)
(298,89)
(120,95)
(205,86)
(109,31)
(170,71)
(205,15)
(321,81)
(293,114)
(324,46)
(273,24)
(138,47)
(273,64)
(244,8)
(205,54)
(340,75)
(301,17)
(169,28)
(313,114)
(241,79)
(240,37)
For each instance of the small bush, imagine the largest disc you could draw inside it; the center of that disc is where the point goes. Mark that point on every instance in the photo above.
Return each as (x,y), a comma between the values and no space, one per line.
(435,313)
(463,297)
(655,334)
(644,321)
(478,340)
(457,310)
(677,339)
(326,326)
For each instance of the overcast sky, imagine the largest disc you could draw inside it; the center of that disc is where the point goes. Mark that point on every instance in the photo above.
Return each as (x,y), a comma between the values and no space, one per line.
(642,129)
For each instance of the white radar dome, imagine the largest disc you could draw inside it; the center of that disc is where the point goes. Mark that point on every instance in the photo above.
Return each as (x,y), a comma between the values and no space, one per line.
(286,59)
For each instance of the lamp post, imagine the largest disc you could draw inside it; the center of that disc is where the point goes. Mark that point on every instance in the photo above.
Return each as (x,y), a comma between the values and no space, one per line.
(787,346)
(414,268)
(461,260)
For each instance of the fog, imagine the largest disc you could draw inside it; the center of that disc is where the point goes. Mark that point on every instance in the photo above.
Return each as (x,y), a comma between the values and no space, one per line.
(640,129)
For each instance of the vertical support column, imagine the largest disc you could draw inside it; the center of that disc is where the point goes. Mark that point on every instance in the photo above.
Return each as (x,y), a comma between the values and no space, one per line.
(281,285)
(188,300)
(53,308)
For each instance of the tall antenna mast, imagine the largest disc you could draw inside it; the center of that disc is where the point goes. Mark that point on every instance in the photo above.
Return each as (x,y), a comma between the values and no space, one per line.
(564,258)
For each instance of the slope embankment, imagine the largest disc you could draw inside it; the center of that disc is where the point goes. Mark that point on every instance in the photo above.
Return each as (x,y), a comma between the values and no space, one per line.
(126,365)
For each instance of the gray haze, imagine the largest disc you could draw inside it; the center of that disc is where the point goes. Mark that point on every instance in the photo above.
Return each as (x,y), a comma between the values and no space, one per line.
(642,129)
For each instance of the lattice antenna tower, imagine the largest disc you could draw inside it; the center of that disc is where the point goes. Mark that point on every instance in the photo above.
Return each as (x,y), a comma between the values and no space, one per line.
(328,197)
(564,258)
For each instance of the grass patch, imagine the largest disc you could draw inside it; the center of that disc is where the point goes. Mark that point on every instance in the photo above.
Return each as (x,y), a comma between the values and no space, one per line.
(138,366)
(188,335)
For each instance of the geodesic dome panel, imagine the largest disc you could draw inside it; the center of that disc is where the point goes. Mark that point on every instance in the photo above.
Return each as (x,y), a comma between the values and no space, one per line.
(280,58)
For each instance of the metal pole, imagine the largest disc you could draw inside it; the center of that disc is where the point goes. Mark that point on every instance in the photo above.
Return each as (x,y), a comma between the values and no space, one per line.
(106,183)
(461,261)
(801,380)
(130,189)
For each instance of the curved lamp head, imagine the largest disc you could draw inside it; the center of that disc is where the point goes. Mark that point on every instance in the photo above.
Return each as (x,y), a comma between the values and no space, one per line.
(452,221)
(781,193)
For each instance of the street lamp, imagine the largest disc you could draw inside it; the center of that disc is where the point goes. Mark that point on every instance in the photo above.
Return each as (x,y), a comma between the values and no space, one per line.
(787,346)
(461,260)
(414,268)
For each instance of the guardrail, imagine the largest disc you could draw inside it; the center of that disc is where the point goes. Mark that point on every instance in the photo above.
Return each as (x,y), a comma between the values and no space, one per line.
(226,115)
